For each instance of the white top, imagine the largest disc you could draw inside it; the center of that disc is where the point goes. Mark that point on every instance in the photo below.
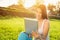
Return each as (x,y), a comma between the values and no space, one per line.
(41,29)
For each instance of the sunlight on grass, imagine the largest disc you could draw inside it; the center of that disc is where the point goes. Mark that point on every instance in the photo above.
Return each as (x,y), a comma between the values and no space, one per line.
(10,28)
(54,29)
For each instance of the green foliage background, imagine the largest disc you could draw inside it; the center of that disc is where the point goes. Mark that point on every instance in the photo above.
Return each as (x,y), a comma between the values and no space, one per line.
(11,28)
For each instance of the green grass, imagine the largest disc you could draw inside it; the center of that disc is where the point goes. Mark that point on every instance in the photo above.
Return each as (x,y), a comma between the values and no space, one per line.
(10,28)
(55,29)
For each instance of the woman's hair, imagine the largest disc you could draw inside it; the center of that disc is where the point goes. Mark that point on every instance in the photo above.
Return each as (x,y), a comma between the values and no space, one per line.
(43,10)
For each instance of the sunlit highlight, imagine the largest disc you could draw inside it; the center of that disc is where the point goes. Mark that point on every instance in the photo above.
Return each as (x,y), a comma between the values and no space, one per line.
(54,2)
(6,3)
(29,3)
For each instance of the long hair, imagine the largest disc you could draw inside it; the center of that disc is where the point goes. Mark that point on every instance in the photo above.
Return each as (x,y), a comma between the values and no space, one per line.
(43,10)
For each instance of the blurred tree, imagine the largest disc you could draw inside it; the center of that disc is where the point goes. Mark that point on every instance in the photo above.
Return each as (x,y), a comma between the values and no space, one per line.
(52,9)
(39,2)
(19,6)
(58,8)
(21,2)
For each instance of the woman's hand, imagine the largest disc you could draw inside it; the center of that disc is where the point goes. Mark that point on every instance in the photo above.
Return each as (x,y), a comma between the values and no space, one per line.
(35,34)
(30,35)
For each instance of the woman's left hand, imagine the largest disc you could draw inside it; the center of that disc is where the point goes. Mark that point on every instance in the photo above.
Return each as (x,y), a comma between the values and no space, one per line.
(35,34)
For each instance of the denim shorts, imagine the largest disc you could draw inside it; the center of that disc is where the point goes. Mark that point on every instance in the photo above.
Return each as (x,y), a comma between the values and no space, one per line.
(24,36)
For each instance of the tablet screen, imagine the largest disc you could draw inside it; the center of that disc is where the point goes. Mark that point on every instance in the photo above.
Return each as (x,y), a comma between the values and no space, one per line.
(30,25)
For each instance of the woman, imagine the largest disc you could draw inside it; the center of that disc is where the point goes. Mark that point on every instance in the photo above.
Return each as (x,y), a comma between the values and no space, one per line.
(43,26)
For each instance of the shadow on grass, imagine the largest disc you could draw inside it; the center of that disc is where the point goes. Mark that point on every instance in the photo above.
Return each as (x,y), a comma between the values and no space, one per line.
(53,19)
(6,17)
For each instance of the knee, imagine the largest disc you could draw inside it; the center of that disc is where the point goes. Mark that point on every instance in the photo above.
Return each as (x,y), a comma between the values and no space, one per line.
(22,36)
(22,33)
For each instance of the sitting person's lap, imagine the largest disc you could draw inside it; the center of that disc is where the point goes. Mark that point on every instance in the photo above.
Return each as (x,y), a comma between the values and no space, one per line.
(23,36)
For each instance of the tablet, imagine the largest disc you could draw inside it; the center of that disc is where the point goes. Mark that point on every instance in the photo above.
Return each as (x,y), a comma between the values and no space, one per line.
(30,25)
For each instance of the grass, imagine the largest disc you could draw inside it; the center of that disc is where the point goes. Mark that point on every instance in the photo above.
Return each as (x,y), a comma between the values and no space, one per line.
(10,28)
(54,29)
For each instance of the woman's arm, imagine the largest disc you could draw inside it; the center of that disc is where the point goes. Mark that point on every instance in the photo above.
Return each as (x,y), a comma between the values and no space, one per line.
(45,31)
(46,25)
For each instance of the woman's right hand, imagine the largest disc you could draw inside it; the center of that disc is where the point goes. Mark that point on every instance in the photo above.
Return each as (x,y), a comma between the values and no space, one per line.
(30,35)
(35,34)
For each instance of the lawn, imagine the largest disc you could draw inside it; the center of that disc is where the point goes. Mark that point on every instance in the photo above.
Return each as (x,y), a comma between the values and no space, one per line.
(10,28)
(54,29)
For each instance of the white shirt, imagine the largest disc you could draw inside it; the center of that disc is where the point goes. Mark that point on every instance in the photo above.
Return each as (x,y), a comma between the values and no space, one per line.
(41,29)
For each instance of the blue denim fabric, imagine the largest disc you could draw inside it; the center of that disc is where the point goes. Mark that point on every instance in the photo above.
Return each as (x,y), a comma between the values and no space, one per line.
(24,36)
